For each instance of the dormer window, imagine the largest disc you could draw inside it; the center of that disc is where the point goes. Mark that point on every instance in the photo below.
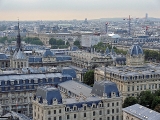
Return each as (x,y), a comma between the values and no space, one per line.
(93,106)
(84,107)
(75,108)
(67,109)
(12,83)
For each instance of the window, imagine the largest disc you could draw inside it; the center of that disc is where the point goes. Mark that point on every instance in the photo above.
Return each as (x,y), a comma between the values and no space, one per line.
(84,107)
(108,118)
(108,111)
(49,118)
(100,118)
(84,114)
(141,87)
(137,88)
(75,115)
(74,108)
(54,111)
(144,87)
(128,88)
(94,113)
(54,118)
(117,117)
(108,104)
(59,110)
(67,117)
(117,103)
(60,117)
(149,86)
(49,112)
(100,112)
(132,88)
(117,110)
(112,104)
(112,110)
(112,117)
(67,109)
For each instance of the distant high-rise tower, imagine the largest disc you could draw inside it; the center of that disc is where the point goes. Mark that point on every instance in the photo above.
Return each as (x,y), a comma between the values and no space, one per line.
(86,21)
(106,27)
(146,16)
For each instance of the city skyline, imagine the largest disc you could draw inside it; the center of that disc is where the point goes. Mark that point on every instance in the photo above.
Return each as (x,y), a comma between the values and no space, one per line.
(71,9)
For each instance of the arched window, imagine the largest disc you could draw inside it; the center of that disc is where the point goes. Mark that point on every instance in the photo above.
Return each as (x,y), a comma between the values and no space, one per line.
(127,118)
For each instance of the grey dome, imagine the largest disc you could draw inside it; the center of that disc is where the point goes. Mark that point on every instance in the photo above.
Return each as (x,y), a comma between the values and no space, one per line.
(135,50)
(48,53)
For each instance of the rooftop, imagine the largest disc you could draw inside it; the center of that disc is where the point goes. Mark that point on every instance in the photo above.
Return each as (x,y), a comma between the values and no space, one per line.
(142,112)
(76,87)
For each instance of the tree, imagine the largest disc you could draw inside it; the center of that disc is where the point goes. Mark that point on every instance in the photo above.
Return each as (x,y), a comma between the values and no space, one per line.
(60,42)
(129,101)
(146,98)
(34,40)
(67,43)
(53,41)
(89,77)
(157,108)
(77,43)
(155,102)
(3,39)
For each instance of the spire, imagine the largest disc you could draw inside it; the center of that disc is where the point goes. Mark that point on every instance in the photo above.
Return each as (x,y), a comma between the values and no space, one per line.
(18,39)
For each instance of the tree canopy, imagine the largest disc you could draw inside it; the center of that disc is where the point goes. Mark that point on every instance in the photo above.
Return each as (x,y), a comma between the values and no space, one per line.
(77,43)
(55,44)
(129,101)
(100,47)
(6,39)
(34,40)
(89,77)
(146,98)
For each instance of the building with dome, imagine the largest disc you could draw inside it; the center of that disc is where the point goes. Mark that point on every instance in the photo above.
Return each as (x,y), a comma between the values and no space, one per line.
(135,76)
(18,59)
(135,56)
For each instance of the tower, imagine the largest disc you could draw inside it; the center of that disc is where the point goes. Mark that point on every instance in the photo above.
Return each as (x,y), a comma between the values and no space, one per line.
(18,59)
(106,28)
(18,44)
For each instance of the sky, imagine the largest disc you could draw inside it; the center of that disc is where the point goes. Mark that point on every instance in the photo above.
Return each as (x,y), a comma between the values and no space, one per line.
(77,9)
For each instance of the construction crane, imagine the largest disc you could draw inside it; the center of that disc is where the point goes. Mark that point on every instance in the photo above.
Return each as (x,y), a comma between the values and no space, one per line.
(129,24)
(146,29)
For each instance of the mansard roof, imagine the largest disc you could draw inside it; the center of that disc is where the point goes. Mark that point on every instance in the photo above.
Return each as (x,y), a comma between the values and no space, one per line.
(101,88)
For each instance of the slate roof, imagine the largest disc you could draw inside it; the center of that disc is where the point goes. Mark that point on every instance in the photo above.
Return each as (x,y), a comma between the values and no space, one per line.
(49,93)
(104,87)
(35,59)
(69,71)
(19,55)
(3,56)
(142,112)
(135,50)
(48,53)
(76,87)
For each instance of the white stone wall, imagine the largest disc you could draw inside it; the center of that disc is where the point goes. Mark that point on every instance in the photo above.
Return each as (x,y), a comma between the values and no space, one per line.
(110,109)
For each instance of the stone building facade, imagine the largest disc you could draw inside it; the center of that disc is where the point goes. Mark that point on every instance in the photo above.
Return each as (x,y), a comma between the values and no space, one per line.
(51,104)
(133,78)
(16,90)
(89,60)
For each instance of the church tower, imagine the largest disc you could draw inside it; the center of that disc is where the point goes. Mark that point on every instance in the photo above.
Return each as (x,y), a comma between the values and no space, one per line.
(18,59)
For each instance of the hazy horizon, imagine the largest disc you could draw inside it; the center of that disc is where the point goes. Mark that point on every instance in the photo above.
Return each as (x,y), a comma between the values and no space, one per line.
(76,9)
